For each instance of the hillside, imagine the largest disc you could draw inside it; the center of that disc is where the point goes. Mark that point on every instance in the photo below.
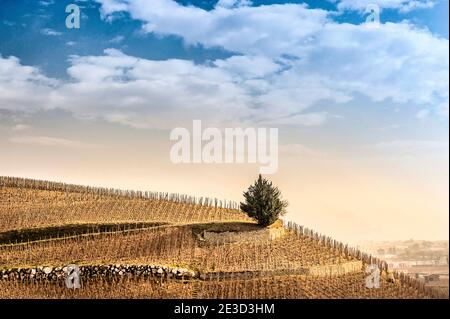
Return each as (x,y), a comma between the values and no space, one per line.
(158,245)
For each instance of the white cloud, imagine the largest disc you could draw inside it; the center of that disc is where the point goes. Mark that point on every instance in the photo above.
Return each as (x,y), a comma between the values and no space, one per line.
(21,127)
(46,3)
(248,67)
(233,3)
(148,93)
(161,94)
(288,58)
(413,5)
(403,6)
(343,59)
(381,62)
(50,32)
(117,39)
(423,113)
(410,147)
(298,150)
(23,87)
(306,119)
(50,141)
(270,30)
(442,108)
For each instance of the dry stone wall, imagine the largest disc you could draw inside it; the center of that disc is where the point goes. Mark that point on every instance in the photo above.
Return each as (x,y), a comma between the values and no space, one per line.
(56,273)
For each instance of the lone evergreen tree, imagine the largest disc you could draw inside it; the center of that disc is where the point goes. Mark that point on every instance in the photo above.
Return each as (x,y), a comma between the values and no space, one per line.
(263,202)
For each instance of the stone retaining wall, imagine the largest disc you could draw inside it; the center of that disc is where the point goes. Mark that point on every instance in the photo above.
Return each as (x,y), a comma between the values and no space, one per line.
(56,273)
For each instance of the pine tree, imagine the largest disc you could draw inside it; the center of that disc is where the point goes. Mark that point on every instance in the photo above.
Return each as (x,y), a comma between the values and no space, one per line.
(263,202)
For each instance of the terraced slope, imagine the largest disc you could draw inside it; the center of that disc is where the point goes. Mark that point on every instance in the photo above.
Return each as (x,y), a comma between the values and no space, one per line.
(268,287)
(52,224)
(24,208)
(168,244)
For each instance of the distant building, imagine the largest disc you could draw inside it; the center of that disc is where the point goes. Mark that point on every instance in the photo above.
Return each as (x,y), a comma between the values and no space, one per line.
(443,260)
(423,263)
(431,278)
(400,265)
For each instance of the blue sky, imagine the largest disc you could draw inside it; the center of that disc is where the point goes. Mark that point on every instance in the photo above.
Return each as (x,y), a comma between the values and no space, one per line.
(21,33)
(300,65)
(303,66)
(361,108)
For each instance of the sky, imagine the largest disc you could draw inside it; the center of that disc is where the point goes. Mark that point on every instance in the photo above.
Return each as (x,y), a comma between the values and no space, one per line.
(361,108)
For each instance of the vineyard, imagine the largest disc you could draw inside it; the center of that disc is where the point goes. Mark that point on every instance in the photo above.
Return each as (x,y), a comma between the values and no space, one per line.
(46,224)
(267,287)
(24,207)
